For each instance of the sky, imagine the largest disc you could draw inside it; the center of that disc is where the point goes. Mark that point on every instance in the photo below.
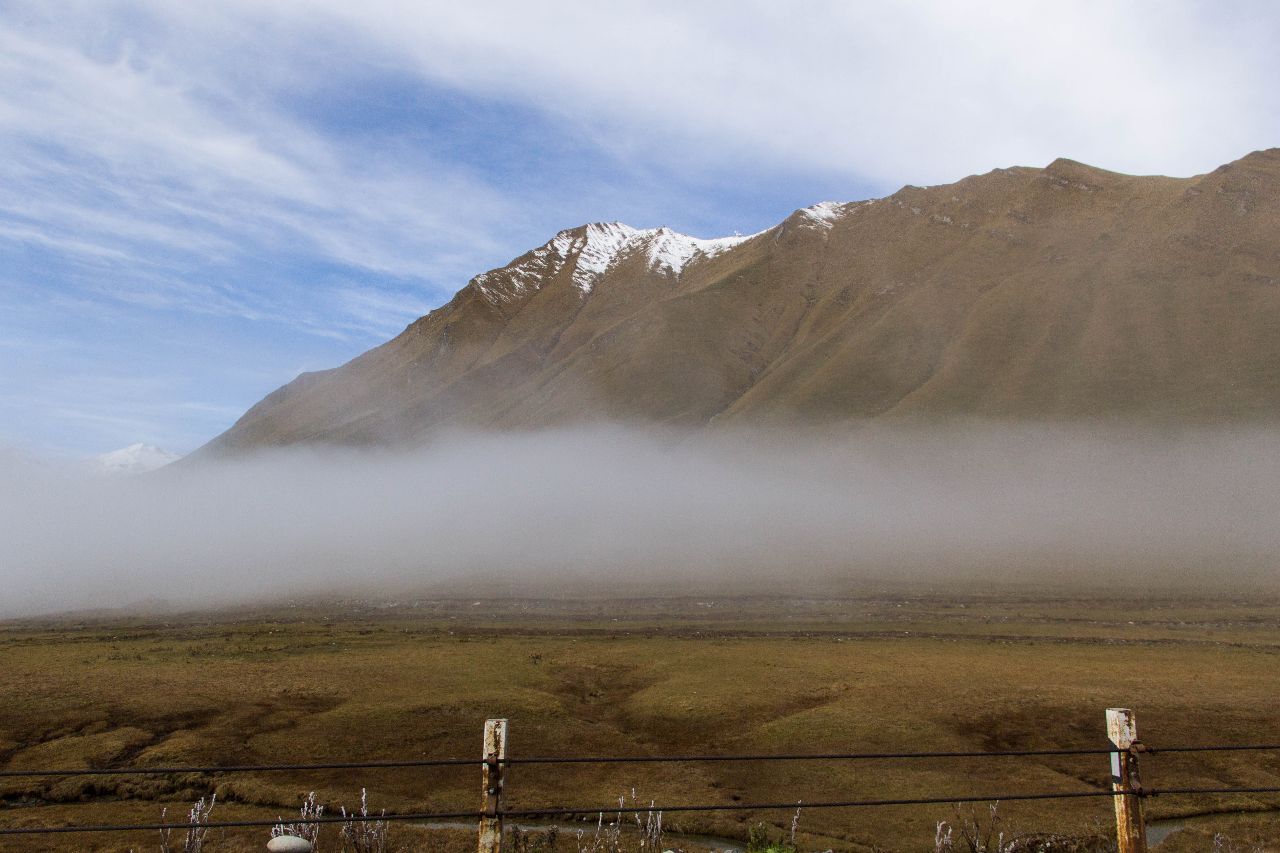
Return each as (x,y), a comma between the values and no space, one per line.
(200,201)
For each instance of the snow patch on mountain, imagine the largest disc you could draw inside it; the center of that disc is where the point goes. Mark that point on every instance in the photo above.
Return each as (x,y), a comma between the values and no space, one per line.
(597,249)
(134,459)
(592,250)
(824,214)
(602,244)
(669,250)
(514,280)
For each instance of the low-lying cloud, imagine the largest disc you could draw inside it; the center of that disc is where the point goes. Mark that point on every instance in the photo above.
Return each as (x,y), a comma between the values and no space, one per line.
(611,510)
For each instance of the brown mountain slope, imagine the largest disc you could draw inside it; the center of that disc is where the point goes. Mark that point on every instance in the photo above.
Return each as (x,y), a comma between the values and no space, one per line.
(1059,293)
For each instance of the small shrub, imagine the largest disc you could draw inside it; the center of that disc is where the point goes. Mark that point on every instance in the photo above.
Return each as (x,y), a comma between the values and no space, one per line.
(760,838)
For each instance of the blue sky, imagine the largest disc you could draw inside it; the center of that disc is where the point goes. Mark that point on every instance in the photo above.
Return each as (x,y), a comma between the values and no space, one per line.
(197,204)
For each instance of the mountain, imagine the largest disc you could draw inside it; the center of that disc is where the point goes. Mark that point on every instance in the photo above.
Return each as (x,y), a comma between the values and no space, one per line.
(134,459)
(1062,293)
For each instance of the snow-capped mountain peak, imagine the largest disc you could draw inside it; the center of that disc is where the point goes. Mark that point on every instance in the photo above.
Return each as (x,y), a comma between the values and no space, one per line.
(597,249)
(670,250)
(601,244)
(592,249)
(134,459)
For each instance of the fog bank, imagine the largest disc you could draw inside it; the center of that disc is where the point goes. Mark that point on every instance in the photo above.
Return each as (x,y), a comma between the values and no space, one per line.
(595,511)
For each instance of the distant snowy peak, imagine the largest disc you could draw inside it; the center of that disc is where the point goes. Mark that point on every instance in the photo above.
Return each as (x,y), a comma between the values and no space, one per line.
(591,250)
(134,459)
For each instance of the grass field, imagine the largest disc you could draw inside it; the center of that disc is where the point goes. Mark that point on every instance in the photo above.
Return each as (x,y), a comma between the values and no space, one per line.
(913,670)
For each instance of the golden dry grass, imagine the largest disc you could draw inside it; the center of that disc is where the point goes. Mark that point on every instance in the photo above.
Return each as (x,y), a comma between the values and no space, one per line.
(884,673)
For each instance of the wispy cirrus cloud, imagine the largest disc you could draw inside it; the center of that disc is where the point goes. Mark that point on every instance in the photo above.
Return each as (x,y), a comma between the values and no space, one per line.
(137,156)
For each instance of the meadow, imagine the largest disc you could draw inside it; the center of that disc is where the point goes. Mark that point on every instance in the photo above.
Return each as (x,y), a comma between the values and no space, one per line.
(885,670)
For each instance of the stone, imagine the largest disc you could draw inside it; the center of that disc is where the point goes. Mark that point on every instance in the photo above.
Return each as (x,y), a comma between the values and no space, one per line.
(289,844)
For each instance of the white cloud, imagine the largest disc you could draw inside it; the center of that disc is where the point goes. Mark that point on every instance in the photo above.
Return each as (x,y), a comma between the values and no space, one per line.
(918,91)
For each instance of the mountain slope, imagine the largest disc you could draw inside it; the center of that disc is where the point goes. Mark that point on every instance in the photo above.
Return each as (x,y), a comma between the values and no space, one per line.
(1066,292)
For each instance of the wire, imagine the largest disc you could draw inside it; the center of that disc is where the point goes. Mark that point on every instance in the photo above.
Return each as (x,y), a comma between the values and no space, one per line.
(544,812)
(1156,792)
(806,804)
(245,768)
(825,756)
(1230,748)
(621,759)
(581,759)
(566,811)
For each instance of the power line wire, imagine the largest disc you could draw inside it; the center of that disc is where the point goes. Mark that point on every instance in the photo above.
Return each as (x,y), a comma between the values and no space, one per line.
(577,759)
(621,759)
(244,768)
(551,811)
(1261,747)
(807,756)
(589,810)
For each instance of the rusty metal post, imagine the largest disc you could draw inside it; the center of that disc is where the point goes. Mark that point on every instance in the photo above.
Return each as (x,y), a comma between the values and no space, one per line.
(1131,829)
(494,756)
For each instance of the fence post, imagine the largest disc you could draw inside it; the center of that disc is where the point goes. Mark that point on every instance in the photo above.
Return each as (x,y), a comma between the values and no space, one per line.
(1131,830)
(493,769)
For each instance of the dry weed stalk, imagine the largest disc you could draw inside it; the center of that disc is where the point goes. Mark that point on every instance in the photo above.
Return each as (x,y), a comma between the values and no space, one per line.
(606,838)
(650,827)
(972,833)
(307,826)
(193,841)
(609,838)
(1223,844)
(528,841)
(364,836)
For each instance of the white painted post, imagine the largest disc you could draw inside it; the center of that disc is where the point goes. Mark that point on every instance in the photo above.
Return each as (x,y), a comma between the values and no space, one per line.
(1131,830)
(494,769)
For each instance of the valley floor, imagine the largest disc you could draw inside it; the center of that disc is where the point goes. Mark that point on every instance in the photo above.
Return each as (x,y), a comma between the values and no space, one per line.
(912,670)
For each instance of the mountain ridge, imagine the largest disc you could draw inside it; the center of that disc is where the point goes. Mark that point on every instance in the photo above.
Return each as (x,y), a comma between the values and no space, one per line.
(1063,293)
